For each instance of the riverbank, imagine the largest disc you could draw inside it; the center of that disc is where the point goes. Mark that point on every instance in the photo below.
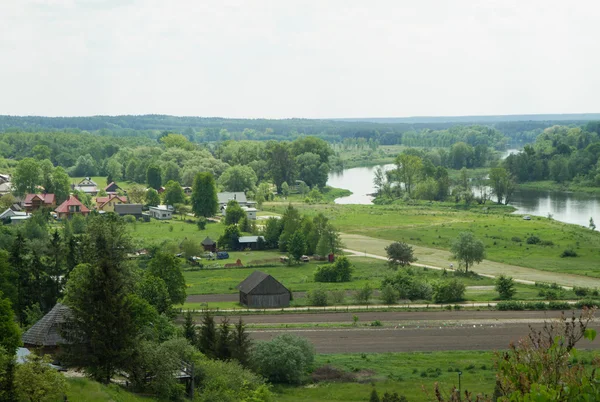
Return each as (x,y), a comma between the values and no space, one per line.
(549,185)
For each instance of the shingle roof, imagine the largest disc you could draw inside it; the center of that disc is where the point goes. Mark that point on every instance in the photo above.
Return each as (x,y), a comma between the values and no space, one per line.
(46,332)
(208,242)
(224,198)
(252,281)
(46,198)
(64,207)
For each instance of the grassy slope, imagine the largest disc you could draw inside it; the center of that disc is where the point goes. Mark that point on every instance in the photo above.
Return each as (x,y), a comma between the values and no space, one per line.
(435,226)
(84,390)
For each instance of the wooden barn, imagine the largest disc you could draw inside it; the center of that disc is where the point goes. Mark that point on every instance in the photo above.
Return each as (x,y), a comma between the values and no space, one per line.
(46,333)
(261,290)
(209,245)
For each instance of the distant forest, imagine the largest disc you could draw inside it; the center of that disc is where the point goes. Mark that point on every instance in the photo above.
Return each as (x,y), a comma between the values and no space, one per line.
(387,131)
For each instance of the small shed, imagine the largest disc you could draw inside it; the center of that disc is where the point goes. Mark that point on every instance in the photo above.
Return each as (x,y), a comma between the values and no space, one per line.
(46,333)
(250,242)
(209,244)
(161,212)
(260,290)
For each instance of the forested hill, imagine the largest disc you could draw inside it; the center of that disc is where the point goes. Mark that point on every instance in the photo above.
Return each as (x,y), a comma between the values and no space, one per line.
(417,131)
(572,118)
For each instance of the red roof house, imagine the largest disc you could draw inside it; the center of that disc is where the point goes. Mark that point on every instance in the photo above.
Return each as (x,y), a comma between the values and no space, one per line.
(71,207)
(34,202)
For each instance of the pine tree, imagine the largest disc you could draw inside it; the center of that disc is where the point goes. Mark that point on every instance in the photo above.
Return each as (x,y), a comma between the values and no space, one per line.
(240,343)
(189,329)
(18,262)
(374,396)
(208,335)
(223,347)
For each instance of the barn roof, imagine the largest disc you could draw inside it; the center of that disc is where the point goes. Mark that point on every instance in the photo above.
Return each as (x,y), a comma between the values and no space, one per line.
(46,332)
(208,242)
(256,278)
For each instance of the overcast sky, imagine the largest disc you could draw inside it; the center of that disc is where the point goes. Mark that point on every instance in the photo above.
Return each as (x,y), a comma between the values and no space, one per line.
(287,58)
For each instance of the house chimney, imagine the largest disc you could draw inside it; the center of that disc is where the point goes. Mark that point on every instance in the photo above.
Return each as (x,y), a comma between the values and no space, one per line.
(234,196)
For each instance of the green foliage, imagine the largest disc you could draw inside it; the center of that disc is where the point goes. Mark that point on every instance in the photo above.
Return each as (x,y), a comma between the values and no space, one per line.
(408,286)
(339,271)
(407,169)
(223,344)
(7,374)
(154,177)
(568,253)
(10,335)
(448,291)
(297,246)
(389,295)
(154,291)
(102,325)
(189,328)
(167,267)
(317,297)
(285,189)
(285,359)
(204,195)
(152,198)
(230,237)
(238,178)
(36,381)
(27,177)
(468,249)
(505,286)
(201,223)
(241,344)
(363,295)
(234,213)
(173,193)
(271,232)
(400,253)
(207,339)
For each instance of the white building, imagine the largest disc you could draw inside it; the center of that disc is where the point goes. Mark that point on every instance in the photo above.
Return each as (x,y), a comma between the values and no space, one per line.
(161,212)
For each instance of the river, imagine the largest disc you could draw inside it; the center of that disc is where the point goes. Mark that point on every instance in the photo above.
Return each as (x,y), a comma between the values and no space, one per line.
(574,208)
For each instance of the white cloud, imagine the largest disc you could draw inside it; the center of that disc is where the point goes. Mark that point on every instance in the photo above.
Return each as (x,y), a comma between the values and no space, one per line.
(335,58)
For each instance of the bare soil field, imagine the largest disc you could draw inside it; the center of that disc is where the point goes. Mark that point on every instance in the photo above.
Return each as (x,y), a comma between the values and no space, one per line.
(370,340)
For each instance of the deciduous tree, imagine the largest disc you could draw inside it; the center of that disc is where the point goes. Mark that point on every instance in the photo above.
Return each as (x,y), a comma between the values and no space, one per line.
(467,249)
(399,253)
(204,195)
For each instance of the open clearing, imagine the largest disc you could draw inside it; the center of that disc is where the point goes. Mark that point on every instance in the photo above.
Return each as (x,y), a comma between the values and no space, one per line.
(443,258)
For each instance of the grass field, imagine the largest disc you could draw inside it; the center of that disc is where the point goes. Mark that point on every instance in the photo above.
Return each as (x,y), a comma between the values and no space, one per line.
(157,232)
(549,185)
(435,225)
(84,390)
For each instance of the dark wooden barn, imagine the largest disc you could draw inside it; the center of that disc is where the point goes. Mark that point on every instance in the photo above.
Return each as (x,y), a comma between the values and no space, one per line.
(209,244)
(46,333)
(261,290)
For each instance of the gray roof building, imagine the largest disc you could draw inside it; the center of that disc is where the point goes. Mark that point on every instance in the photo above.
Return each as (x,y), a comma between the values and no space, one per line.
(261,290)
(239,196)
(128,209)
(46,332)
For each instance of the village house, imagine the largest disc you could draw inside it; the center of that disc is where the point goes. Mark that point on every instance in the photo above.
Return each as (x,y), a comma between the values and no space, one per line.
(46,333)
(107,204)
(15,217)
(112,188)
(33,202)
(87,186)
(71,207)
(161,212)
(260,290)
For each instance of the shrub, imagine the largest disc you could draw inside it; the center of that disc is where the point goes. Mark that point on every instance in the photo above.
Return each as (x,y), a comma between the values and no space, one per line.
(505,286)
(376,323)
(589,303)
(389,295)
(533,239)
(517,239)
(568,253)
(129,219)
(285,359)
(363,295)
(228,381)
(550,294)
(201,223)
(340,271)
(510,305)
(555,305)
(317,297)
(547,243)
(581,292)
(408,286)
(337,296)
(448,291)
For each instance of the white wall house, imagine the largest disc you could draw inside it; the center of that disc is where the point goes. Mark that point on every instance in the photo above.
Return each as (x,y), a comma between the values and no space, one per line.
(161,212)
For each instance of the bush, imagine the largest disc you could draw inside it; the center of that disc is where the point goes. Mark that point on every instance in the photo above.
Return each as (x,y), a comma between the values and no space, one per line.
(551,294)
(568,253)
(581,292)
(285,359)
(376,323)
(337,296)
(363,295)
(389,295)
(533,240)
(129,218)
(201,223)
(589,303)
(448,291)
(517,239)
(510,305)
(227,381)
(409,287)
(340,271)
(505,286)
(317,297)
(555,305)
